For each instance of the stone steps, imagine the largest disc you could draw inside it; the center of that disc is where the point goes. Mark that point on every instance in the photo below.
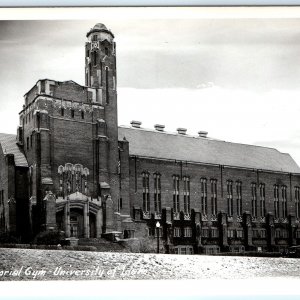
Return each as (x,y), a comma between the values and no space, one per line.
(102,244)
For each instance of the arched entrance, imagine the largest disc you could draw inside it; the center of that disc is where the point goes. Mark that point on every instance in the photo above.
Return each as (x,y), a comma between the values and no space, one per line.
(79,216)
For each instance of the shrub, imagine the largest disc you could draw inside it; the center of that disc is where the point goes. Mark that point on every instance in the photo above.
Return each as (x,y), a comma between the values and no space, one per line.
(6,238)
(54,237)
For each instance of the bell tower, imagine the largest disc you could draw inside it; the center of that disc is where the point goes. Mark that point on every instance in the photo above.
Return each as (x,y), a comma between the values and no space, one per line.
(100,76)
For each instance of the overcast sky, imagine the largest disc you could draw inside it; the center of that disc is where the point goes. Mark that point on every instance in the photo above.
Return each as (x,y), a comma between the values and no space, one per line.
(238,79)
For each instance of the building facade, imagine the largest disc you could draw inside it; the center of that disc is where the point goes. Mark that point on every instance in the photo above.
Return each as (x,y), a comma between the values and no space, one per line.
(71,167)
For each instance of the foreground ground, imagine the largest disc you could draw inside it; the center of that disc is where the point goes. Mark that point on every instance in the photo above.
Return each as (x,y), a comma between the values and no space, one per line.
(29,264)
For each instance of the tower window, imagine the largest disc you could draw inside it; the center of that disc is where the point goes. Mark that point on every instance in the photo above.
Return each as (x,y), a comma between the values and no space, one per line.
(62,111)
(27,143)
(95,58)
(107,85)
(82,115)
(95,38)
(72,113)
(106,51)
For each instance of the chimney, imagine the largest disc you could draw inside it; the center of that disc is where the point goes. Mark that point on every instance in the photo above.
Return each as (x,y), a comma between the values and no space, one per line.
(159,127)
(136,124)
(202,134)
(181,131)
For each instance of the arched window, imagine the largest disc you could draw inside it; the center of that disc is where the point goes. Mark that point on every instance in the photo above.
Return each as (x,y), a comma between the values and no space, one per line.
(214,207)
(186,195)
(157,192)
(254,199)
(229,198)
(239,208)
(276,201)
(203,182)
(146,194)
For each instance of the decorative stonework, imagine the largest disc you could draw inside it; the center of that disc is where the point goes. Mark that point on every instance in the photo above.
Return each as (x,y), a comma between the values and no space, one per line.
(239,219)
(204,218)
(176,216)
(157,215)
(187,216)
(230,219)
(213,218)
(146,215)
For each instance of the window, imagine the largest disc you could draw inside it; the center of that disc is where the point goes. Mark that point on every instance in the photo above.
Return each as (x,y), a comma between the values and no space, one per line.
(284,203)
(176,205)
(229,198)
(186,195)
(31,141)
(297,199)
(188,232)
(276,201)
(157,192)
(298,234)
(43,85)
(254,199)
(106,50)
(82,114)
(255,233)
(239,198)
(184,250)
(277,233)
(146,194)
(177,232)
(214,232)
(94,58)
(262,195)
(62,111)
(106,85)
(239,233)
(263,233)
(205,232)
(95,38)
(72,113)
(230,233)
(214,208)
(203,182)
(27,143)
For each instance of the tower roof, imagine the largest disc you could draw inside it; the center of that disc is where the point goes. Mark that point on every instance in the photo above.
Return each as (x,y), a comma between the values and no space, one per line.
(99,27)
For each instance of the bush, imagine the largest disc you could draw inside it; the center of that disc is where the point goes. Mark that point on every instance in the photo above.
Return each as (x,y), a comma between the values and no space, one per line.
(6,238)
(54,237)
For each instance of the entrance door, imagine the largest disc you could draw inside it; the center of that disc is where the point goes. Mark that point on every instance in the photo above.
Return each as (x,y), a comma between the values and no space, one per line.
(74,227)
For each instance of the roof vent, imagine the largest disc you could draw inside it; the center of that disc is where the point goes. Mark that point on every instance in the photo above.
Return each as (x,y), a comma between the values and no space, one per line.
(181,130)
(136,124)
(159,127)
(202,134)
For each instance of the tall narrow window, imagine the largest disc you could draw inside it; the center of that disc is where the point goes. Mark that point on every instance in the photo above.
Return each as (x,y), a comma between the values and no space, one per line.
(157,192)
(146,194)
(72,113)
(284,203)
(62,111)
(107,85)
(31,141)
(203,182)
(82,114)
(95,58)
(297,199)
(254,199)
(262,196)
(276,201)
(95,38)
(214,208)
(239,198)
(27,143)
(186,195)
(106,50)
(176,205)
(229,198)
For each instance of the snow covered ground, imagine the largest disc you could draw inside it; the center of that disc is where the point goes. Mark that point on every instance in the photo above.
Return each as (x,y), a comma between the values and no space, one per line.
(29,264)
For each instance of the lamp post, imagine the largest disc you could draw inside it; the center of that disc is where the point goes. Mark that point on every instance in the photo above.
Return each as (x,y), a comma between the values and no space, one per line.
(157,230)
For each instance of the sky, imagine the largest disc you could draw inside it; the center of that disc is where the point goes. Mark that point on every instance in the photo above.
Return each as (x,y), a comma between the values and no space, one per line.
(237,78)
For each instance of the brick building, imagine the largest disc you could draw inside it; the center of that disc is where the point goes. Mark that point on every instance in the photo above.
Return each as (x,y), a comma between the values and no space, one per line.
(72,167)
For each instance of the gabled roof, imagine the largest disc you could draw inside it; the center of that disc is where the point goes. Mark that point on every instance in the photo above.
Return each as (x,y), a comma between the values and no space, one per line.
(8,143)
(155,144)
